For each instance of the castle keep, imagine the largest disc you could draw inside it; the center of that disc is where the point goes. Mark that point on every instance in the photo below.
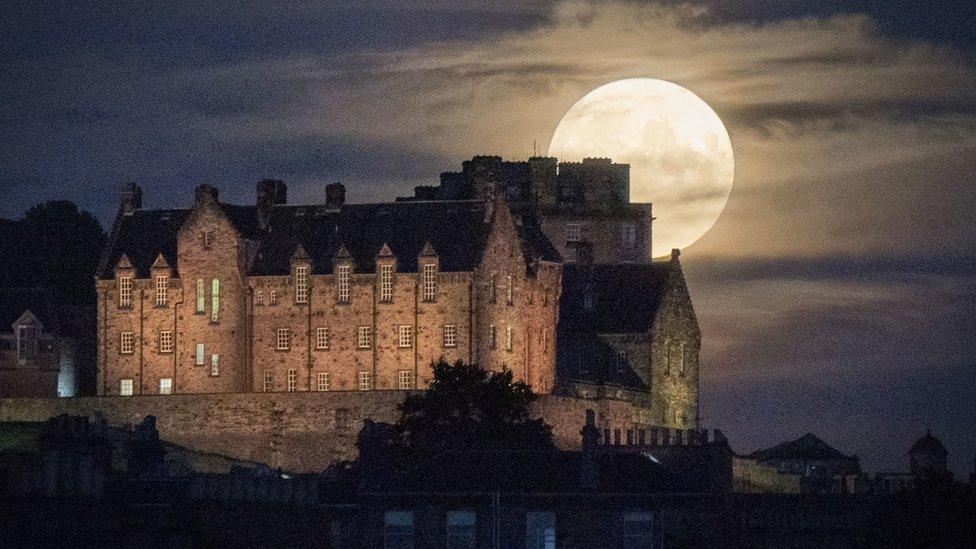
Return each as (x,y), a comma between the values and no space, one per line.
(537,267)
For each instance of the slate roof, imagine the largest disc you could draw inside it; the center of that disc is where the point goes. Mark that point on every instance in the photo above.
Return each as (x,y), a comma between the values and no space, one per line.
(456,230)
(808,447)
(625,297)
(14,301)
(928,444)
(585,357)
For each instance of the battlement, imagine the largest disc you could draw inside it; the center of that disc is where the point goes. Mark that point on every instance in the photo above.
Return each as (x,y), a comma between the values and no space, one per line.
(659,437)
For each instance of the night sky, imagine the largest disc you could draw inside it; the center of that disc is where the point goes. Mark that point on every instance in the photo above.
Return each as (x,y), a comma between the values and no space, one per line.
(837,292)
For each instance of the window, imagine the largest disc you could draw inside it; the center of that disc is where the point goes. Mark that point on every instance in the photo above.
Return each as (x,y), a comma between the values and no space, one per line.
(214,365)
(162,290)
(125,291)
(545,341)
(508,338)
(166,341)
(323,381)
(259,297)
(398,530)
(509,290)
(540,530)
(125,387)
(676,361)
(386,283)
(322,337)
(201,296)
(681,360)
(292,380)
(207,239)
(199,354)
(273,298)
(364,337)
(574,232)
(268,381)
(166,386)
(343,419)
(406,336)
(450,335)
(26,342)
(628,235)
(365,381)
(430,282)
(342,281)
(588,299)
(214,300)
(405,379)
(283,339)
(494,287)
(461,530)
(492,337)
(125,343)
(301,284)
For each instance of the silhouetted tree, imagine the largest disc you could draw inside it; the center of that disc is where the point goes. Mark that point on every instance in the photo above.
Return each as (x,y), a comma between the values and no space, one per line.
(468,408)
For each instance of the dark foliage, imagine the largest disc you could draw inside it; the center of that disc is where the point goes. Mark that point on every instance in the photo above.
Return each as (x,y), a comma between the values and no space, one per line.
(466,408)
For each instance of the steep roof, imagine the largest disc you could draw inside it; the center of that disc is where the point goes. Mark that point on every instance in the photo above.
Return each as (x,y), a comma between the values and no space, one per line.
(14,301)
(808,446)
(587,358)
(928,444)
(625,298)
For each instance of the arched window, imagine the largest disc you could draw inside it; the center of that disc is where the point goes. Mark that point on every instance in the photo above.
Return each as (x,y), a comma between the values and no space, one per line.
(201,296)
(214,300)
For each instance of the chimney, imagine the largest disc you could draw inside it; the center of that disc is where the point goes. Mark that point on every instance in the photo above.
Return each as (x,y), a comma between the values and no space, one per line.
(270,192)
(131,198)
(205,194)
(335,196)
(589,473)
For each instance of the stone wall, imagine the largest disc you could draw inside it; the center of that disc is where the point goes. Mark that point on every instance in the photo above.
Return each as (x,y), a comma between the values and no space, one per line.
(301,432)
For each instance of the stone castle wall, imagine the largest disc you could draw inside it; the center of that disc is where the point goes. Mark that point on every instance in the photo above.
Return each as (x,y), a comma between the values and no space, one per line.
(300,432)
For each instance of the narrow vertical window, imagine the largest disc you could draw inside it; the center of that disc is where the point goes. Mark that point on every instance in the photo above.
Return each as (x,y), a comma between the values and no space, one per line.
(125,387)
(342,282)
(283,339)
(545,341)
(405,379)
(214,300)
(166,341)
(365,381)
(207,239)
(162,290)
(628,235)
(364,337)
(199,354)
(259,297)
(214,365)
(201,296)
(492,337)
(386,283)
(166,386)
(508,338)
(273,298)
(509,290)
(292,380)
(430,282)
(450,335)
(322,337)
(681,360)
(126,345)
(268,381)
(323,381)
(301,284)
(405,336)
(494,287)
(125,291)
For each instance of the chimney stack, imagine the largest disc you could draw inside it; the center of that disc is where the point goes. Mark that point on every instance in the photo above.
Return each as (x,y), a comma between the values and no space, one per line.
(131,198)
(270,192)
(335,196)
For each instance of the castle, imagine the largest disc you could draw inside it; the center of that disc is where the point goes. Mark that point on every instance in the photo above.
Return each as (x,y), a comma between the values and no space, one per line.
(539,267)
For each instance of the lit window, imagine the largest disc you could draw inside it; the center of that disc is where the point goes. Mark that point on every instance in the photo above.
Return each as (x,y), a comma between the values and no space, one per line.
(283,339)
(494,287)
(126,343)
(342,282)
(406,336)
(492,337)
(364,337)
(125,291)
(405,379)
(162,290)
(321,337)
(461,530)
(166,386)
(450,335)
(125,387)
(259,297)
(201,296)
(628,235)
(214,300)
(301,284)
(207,239)
(386,283)
(273,298)
(398,529)
(166,341)
(292,380)
(199,354)
(214,365)
(323,381)
(574,232)
(268,381)
(540,530)
(365,381)
(430,282)
(509,290)
(508,338)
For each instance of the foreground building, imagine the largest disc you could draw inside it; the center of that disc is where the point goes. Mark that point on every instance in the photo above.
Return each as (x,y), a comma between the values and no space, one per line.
(537,267)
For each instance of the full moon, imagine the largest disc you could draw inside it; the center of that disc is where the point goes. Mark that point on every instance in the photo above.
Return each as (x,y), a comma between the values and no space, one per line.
(679,152)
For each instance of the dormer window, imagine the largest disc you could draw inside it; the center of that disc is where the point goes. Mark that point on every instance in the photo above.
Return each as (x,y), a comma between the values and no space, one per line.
(301,284)
(162,290)
(125,291)
(386,283)
(430,282)
(342,283)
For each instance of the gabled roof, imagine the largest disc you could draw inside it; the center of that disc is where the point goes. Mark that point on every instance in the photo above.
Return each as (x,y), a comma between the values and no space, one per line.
(15,302)
(625,298)
(808,447)
(928,444)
